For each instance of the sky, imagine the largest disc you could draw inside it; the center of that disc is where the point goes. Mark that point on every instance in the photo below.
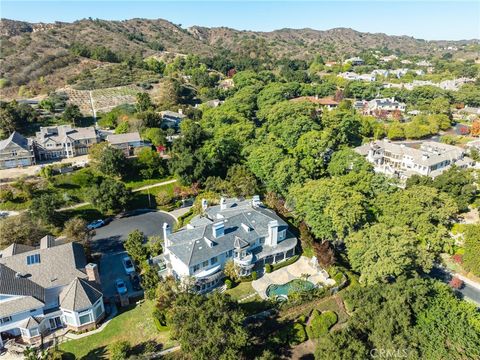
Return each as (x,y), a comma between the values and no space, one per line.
(428,19)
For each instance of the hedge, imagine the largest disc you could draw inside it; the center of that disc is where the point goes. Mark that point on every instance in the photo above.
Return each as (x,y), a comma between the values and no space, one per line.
(320,324)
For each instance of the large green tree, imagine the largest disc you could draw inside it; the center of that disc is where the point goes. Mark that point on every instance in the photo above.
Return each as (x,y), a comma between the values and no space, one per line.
(209,327)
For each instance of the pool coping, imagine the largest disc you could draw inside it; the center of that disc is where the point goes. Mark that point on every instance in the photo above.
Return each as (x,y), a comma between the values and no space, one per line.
(316,275)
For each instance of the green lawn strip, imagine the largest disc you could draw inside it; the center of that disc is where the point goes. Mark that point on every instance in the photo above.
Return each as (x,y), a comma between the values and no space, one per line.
(138,183)
(142,200)
(15,205)
(86,212)
(134,325)
(323,304)
(241,291)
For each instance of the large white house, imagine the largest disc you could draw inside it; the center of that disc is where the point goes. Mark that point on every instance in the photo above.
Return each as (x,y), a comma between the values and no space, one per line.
(45,288)
(403,161)
(244,231)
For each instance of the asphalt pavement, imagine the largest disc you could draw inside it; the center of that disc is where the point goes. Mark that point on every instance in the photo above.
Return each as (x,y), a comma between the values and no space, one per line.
(109,238)
(466,291)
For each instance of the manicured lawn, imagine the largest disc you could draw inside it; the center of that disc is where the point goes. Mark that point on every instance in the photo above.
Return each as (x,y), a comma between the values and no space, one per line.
(134,325)
(86,212)
(142,200)
(241,290)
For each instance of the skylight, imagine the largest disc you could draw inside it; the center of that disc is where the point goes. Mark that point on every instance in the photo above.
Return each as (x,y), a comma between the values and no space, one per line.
(33,259)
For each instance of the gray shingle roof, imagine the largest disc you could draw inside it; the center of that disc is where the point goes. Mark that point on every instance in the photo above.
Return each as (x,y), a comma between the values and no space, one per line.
(13,284)
(192,246)
(123,138)
(31,295)
(58,265)
(15,138)
(15,249)
(79,295)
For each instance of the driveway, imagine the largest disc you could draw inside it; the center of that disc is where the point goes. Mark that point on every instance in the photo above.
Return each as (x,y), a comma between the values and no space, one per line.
(111,269)
(468,291)
(109,238)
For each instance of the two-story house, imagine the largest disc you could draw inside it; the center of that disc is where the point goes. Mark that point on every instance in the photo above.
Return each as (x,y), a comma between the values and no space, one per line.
(45,288)
(171,118)
(16,151)
(403,161)
(63,141)
(244,231)
(129,143)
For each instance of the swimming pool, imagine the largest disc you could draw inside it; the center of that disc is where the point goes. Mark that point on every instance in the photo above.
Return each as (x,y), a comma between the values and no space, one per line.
(284,290)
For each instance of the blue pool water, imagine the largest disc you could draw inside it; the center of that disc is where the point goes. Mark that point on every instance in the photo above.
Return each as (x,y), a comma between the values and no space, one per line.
(296,285)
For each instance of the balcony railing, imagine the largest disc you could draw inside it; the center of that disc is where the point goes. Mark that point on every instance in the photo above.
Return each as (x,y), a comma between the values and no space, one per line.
(244,261)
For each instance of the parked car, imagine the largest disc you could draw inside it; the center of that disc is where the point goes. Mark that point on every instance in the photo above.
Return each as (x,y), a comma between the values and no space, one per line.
(121,286)
(95,224)
(128,265)
(135,280)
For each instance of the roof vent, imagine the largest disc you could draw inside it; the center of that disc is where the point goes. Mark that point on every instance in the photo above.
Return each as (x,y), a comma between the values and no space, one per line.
(246,227)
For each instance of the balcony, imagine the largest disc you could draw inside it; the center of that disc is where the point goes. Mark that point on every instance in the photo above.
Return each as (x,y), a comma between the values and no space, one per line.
(244,261)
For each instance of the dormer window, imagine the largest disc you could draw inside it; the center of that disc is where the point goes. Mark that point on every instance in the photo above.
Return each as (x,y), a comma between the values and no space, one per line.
(33,259)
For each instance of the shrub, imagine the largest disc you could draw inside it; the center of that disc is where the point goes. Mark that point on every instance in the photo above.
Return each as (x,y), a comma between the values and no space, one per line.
(254,275)
(321,323)
(457,258)
(163,198)
(299,334)
(159,319)
(268,268)
(456,283)
(228,283)
(119,350)
(6,195)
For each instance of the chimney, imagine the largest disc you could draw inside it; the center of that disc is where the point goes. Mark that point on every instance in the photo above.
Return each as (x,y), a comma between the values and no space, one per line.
(218,229)
(272,233)
(204,204)
(180,111)
(256,200)
(92,272)
(166,231)
(223,203)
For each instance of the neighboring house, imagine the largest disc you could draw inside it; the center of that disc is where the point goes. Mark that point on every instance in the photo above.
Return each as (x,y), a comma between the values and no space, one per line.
(63,141)
(16,151)
(128,142)
(171,118)
(354,76)
(387,106)
(244,231)
(467,113)
(355,61)
(403,161)
(46,288)
(327,102)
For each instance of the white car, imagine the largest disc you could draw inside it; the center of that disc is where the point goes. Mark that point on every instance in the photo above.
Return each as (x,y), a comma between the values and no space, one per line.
(95,224)
(121,286)
(128,265)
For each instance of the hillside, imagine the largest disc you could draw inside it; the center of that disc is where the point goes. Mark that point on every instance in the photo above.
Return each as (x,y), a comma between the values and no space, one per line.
(37,55)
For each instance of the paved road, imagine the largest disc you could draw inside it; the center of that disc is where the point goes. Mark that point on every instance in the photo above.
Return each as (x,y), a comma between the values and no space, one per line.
(110,238)
(467,290)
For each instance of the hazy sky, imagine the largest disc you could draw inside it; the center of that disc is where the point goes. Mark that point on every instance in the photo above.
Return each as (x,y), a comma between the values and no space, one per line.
(450,20)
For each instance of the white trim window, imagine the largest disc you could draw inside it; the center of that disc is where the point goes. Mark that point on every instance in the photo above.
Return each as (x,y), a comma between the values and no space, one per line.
(85,318)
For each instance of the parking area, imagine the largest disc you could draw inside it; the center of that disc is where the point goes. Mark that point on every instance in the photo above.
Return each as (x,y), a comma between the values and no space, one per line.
(111,268)
(109,238)
(108,243)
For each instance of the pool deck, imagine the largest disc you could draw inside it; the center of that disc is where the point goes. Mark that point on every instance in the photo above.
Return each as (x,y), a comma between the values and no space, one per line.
(291,272)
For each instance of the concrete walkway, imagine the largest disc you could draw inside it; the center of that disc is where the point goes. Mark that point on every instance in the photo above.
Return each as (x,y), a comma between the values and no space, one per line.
(291,272)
